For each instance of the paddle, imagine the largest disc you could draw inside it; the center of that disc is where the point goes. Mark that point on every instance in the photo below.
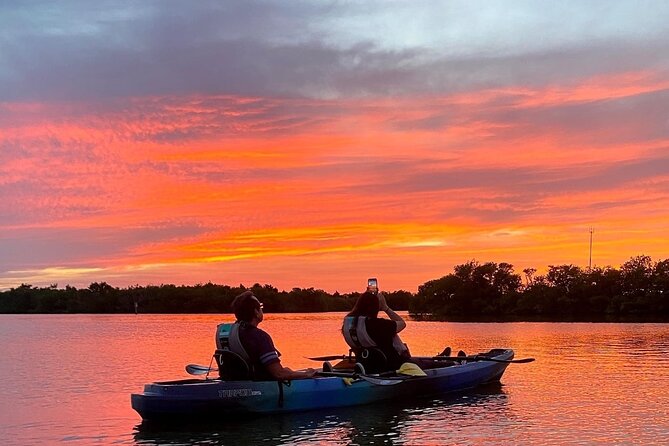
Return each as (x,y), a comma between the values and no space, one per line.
(477,358)
(196,369)
(443,358)
(369,379)
(328,358)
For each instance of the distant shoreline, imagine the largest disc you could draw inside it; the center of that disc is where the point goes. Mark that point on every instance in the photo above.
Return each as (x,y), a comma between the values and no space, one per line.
(474,292)
(413,318)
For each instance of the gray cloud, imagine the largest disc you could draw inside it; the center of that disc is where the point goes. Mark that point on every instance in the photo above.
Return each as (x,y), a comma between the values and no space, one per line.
(522,188)
(78,247)
(599,123)
(83,50)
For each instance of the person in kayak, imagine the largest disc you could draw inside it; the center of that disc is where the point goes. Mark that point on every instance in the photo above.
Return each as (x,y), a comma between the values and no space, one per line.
(364,330)
(256,345)
(366,334)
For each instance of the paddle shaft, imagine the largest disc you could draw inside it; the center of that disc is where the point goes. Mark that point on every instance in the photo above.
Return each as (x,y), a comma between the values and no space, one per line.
(329,358)
(439,358)
(195,369)
(477,358)
(370,379)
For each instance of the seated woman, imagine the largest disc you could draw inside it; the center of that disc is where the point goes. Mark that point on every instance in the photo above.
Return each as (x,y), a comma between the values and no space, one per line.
(375,341)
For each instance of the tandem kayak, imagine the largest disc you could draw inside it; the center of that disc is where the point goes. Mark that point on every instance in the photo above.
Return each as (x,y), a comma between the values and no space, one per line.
(214,398)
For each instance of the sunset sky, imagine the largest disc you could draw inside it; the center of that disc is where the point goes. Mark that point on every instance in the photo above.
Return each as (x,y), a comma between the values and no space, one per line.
(315,144)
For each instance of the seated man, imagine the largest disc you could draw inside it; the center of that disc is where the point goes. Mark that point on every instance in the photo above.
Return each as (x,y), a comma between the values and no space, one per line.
(255,346)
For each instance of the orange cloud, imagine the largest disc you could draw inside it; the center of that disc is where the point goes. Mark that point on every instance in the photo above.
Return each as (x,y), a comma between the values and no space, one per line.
(288,189)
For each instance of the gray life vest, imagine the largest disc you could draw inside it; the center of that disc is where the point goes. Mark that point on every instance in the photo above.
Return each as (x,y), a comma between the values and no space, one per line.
(227,338)
(357,337)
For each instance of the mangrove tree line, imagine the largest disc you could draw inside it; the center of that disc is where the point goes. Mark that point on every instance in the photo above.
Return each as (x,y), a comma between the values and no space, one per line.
(638,290)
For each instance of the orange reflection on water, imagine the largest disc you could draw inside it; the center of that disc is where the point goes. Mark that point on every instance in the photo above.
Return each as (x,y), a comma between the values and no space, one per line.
(69,377)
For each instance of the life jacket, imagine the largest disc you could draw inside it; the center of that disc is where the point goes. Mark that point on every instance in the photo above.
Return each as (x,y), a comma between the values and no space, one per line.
(357,337)
(227,341)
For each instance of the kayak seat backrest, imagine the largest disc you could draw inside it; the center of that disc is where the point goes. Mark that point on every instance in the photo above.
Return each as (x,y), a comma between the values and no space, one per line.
(232,366)
(372,358)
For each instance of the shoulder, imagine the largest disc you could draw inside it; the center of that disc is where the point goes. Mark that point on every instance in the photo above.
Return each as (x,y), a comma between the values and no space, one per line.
(259,334)
(267,353)
(262,334)
(380,324)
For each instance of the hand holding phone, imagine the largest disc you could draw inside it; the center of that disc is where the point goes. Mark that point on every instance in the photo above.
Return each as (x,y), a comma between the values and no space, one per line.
(372,285)
(383,305)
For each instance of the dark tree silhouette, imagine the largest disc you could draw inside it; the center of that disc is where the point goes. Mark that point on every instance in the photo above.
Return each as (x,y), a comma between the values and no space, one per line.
(474,291)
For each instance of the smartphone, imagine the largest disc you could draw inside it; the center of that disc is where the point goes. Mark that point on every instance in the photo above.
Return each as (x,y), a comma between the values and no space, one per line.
(373,284)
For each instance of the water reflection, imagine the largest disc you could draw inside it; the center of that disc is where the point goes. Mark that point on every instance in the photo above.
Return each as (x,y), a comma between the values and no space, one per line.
(67,379)
(393,422)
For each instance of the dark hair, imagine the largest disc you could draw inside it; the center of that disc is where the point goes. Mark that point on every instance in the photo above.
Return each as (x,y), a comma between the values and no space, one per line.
(367,305)
(245,307)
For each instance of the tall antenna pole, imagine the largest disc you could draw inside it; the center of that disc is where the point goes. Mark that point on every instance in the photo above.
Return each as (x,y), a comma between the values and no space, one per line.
(590,261)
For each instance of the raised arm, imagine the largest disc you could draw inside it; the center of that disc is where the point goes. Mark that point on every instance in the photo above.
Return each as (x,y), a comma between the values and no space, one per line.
(383,306)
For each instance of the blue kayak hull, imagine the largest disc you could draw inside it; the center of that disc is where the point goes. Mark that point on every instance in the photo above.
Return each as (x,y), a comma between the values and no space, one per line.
(213,398)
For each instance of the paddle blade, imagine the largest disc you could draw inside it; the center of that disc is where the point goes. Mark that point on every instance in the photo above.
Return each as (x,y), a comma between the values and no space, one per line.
(381,381)
(195,369)
(328,358)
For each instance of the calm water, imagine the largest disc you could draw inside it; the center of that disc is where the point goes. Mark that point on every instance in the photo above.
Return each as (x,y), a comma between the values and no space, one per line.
(67,380)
